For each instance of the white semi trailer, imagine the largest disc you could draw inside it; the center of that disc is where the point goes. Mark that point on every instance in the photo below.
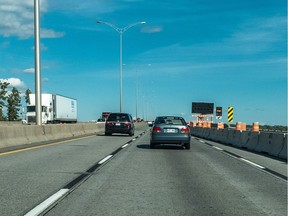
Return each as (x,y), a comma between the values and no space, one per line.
(55,109)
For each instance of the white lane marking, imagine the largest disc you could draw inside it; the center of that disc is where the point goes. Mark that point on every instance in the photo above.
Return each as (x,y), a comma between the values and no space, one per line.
(124,146)
(48,202)
(201,141)
(134,139)
(217,148)
(105,159)
(252,163)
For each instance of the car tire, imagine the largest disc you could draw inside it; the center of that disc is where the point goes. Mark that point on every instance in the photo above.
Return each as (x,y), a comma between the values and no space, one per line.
(187,146)
(108,134)
(152,145)
(131,133)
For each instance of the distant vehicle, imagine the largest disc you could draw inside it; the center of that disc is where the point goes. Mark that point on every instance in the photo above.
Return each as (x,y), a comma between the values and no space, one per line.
(55,109)
(105,115)
(119,123)
(170,130)
(100,120)
(150,123)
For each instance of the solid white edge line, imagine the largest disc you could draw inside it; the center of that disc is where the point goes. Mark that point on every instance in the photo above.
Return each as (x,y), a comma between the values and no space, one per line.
(105,159)
(124,146)
(217,148)
(252,163)
(48,202)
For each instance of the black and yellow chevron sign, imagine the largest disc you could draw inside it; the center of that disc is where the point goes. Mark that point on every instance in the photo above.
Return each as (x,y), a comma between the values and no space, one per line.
(230,114)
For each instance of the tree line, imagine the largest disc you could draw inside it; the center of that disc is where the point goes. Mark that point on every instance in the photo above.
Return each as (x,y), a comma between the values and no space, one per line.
(10,102)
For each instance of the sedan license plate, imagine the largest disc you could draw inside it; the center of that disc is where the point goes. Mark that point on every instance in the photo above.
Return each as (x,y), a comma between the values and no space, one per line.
(117,124)
(170,131)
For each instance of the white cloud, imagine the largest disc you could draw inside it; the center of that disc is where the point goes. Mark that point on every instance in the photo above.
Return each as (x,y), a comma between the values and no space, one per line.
(14,82)
(49,33)
(17,19)
(29,70)
(45,79)
(261,31)
(240,48)
(152,29)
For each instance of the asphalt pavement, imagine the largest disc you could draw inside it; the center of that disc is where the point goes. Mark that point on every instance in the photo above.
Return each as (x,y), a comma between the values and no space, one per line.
(123,176)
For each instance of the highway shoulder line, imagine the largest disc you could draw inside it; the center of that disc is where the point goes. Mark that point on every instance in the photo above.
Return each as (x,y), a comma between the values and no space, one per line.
(251,163)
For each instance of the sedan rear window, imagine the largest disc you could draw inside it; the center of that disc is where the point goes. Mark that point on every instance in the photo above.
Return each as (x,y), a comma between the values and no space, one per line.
(114,117)
(170,121)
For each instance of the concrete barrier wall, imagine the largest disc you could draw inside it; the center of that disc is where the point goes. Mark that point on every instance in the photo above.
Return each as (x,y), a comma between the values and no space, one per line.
(250,140)
(10,135)
(271,143)
(283,152)
(14,135)
(274,144)
(35,134)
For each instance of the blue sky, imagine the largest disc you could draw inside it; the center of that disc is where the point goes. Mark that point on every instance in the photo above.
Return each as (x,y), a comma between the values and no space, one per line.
(230,53)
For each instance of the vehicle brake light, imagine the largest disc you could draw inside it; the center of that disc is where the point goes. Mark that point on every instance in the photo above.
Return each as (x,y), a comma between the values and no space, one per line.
(185,130)
(156,130)
(127,123)
(108,123)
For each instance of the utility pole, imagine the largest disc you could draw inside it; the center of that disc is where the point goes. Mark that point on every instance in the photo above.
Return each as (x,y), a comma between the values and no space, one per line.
(38,102)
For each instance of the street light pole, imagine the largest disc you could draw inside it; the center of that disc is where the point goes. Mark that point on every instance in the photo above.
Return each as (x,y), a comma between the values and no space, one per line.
(38,101)
(120,31)
(121,69)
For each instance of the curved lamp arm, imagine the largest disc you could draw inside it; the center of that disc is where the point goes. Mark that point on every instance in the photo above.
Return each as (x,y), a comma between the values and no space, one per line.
(120,30)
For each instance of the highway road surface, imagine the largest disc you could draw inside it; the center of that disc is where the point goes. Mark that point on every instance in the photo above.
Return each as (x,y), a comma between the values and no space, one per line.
(120,175)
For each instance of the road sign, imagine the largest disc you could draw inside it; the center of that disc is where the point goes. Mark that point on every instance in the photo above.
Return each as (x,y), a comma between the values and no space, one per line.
(202,108)
(218,111)
(230,114)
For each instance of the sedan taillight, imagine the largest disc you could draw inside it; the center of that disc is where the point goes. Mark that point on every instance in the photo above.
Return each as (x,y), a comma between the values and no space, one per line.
(185,130)
(156,130)
(127,123)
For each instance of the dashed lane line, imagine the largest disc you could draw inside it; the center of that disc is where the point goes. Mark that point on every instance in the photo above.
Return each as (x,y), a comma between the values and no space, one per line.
(52,200)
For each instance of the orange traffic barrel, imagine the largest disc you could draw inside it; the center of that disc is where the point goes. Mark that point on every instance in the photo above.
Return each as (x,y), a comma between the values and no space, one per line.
(208,124)
(205,124)
(243,127)
(220,125)
(238,126)
(255,127)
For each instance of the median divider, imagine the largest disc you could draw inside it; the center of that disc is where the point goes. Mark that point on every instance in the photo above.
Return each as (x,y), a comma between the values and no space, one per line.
(12,135)
(212,133)
(35,133)
(77,130)
(274,144)
(234,137)
(54,132)
(251,141)
(283,152)
(16,135)
(270,143)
